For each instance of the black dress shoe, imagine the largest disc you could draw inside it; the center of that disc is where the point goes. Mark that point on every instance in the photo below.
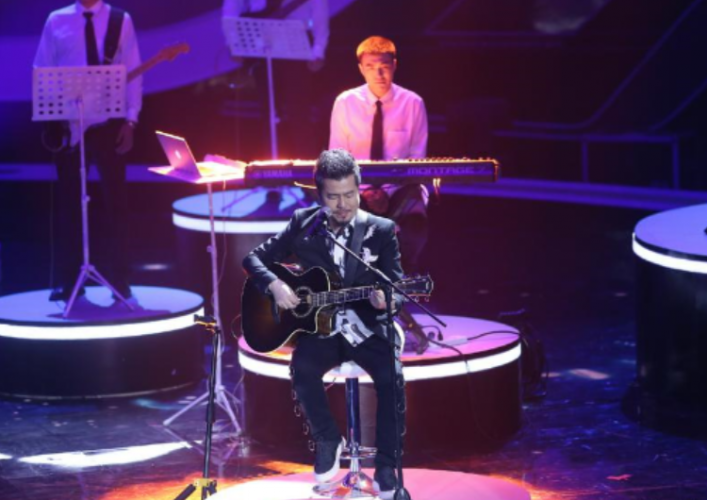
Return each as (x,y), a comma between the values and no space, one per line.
(386,481)
(326,460)
(63,294)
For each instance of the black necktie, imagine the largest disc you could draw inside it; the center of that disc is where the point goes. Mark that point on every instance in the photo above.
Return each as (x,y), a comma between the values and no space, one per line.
(91,45)
(377,137)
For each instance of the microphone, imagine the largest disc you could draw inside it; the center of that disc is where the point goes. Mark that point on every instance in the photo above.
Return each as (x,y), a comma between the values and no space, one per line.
(320,222)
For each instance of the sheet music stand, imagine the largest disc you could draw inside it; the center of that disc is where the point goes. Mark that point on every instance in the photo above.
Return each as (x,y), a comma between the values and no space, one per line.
(269,39)
(93,93)
(223,398)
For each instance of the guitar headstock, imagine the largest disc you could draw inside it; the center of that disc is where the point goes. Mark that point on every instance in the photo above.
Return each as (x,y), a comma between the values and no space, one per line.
(417,286)
(171,52)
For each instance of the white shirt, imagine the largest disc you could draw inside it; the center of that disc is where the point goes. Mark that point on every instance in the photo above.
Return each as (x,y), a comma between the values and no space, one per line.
(404,123)
(315,14)
(63,43)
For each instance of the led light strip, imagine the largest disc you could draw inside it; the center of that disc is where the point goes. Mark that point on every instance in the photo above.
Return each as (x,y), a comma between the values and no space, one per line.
(229,227)
(411,373)
(678,263)
(94,332)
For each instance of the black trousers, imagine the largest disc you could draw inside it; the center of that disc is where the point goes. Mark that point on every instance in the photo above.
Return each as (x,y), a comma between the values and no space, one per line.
(314,356)
(100,149)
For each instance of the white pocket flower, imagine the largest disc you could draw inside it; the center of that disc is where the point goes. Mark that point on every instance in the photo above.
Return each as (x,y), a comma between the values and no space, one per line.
(367,257)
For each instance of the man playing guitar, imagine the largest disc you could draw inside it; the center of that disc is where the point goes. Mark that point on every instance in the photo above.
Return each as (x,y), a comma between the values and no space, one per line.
(358,328)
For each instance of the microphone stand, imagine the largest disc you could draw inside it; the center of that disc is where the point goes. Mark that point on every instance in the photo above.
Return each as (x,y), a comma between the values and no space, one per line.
(388,287)
(204,483)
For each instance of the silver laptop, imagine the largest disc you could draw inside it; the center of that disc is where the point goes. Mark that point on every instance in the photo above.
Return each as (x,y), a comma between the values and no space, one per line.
(183,165)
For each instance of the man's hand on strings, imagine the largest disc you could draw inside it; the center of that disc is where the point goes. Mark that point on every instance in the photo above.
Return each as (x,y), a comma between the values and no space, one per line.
(377,299)
(284,297)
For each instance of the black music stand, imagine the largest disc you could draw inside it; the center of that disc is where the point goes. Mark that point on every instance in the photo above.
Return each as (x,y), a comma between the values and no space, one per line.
(269,39)
(88,95)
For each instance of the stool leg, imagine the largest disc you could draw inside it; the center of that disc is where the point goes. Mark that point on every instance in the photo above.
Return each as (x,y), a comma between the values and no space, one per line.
(353,419)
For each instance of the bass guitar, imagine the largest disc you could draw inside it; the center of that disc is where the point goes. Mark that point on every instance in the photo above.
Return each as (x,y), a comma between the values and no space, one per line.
(267,328)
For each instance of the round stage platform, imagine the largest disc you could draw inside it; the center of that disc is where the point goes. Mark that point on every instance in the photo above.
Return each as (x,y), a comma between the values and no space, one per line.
(103,349)
(671,320)
(244,218)
(464,396)
(422,484)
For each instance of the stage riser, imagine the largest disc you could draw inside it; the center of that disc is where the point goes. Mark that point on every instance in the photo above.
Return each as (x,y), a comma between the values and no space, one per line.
(671,325)
(100,368)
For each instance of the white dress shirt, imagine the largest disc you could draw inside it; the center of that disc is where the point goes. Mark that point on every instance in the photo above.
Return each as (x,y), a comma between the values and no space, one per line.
(315,14)
(63,43)
(404,123)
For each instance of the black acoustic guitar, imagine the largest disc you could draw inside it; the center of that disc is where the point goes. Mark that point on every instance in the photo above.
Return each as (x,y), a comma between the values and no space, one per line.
(267,328)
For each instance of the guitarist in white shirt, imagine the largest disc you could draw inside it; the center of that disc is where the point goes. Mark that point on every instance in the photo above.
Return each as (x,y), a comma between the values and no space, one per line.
(359,328)
(77,35)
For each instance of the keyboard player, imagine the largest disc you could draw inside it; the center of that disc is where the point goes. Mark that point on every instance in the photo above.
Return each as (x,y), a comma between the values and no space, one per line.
(382,121)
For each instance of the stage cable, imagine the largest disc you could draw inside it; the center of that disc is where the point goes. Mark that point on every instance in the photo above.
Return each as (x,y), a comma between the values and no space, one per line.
(522,333)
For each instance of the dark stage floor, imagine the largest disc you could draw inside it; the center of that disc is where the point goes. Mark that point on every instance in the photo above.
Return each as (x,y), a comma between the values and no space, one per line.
(569,267)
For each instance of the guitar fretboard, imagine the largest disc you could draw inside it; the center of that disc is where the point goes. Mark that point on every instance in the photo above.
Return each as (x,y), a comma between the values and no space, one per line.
(321,299)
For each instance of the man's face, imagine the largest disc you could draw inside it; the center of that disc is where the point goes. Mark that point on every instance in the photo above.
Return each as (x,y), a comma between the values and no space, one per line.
(342,198)
(378,71)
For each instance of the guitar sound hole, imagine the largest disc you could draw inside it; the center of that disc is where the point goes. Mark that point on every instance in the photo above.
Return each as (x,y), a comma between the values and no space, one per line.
(305,307)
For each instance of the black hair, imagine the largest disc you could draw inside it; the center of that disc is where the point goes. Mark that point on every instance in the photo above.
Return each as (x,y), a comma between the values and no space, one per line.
(335,164)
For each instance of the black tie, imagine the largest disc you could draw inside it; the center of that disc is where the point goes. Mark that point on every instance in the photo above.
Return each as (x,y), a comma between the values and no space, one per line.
(91,45)
(377,137)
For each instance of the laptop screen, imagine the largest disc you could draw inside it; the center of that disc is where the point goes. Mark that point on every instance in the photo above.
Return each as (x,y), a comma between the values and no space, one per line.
(178,153)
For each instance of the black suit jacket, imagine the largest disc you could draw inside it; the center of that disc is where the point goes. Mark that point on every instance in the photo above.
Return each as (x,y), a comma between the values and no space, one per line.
(373,237)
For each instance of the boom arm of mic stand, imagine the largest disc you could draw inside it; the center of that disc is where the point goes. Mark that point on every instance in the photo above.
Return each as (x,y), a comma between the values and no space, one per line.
(387,281)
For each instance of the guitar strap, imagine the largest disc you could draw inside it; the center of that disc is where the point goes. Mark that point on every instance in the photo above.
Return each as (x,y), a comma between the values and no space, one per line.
(115,26)
(356,243)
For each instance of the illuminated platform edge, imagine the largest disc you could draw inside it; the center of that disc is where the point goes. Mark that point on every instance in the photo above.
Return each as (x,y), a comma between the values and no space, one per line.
(422,484)
(674,239)
(476,394)
(103,349)
(242,211)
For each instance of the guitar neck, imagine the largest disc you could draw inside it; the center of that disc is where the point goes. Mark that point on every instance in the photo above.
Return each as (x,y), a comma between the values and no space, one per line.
(143,68)
(321,299)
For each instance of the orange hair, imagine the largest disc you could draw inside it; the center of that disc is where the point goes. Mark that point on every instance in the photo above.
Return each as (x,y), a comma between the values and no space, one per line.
(375,45)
